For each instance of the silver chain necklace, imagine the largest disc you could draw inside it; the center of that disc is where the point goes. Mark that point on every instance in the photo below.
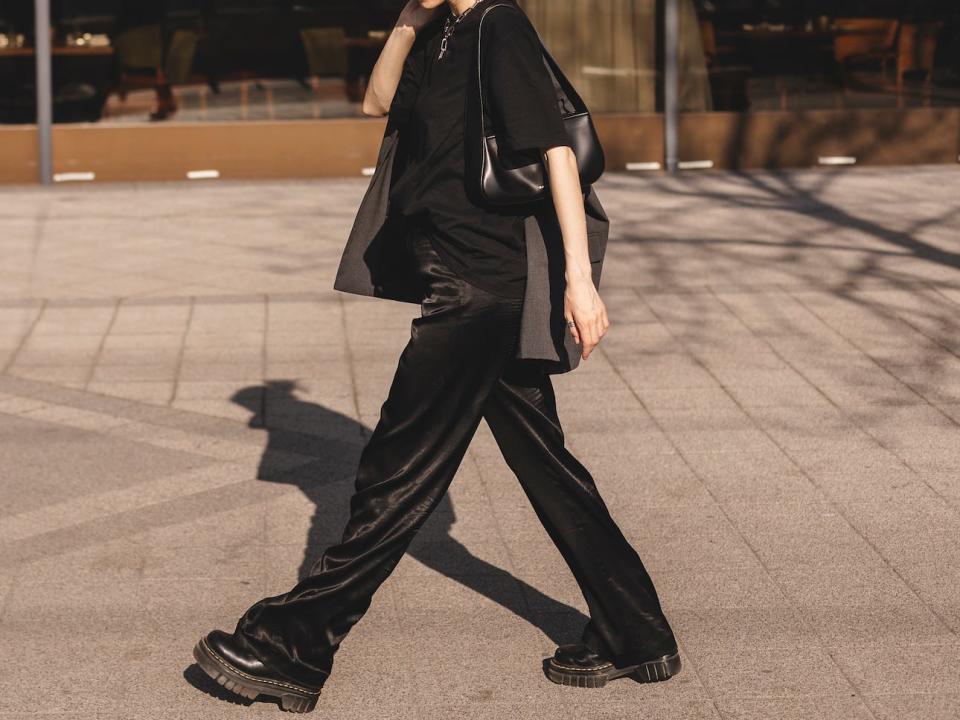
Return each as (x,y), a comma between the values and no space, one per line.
(450,27)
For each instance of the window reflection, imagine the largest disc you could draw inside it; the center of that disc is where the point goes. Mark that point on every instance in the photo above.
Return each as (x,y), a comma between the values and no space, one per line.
(17,69)
(188,60)
(775,55)
(246,59)
(194,60)
(617,74)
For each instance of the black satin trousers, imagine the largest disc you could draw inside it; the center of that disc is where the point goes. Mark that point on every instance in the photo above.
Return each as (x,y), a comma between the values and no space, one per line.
(457,368)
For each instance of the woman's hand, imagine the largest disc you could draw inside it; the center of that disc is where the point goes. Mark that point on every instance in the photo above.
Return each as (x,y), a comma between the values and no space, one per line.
(582,306)
(417,14)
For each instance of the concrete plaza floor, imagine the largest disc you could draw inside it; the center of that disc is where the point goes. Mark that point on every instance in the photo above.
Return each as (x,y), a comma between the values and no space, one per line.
(773,420)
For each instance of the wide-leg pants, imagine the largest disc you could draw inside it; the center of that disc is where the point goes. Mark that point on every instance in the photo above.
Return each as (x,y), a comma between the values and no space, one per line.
(457,368)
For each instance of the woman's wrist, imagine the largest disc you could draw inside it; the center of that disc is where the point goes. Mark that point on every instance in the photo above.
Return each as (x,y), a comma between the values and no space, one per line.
(578,272)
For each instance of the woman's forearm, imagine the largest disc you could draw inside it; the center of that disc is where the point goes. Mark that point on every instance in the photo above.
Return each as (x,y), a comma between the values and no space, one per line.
(583,308)
(564,177)
(386,74)
(385,78)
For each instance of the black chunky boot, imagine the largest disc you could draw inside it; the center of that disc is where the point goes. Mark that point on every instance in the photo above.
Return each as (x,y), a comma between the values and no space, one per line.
(240,672)
(581,666)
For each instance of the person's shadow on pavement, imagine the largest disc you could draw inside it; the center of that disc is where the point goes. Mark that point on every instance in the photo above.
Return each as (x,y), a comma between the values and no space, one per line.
(334,442)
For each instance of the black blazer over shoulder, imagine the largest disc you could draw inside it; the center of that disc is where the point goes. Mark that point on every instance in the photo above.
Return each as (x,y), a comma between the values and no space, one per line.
(374,265)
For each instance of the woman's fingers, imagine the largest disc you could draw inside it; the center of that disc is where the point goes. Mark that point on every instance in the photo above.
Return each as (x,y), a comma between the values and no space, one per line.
(587,328)
(591,336)
(572,327)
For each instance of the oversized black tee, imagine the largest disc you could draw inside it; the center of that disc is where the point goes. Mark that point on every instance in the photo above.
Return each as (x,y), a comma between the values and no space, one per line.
(431,191)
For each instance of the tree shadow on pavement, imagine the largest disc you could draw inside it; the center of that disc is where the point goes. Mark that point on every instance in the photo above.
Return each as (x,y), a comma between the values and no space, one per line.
(333,442)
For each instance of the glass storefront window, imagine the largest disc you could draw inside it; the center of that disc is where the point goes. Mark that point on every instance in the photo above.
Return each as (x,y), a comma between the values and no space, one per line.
(129,61)
(17,66)
(768,55)
(762,83)
(616,74)
(125,61)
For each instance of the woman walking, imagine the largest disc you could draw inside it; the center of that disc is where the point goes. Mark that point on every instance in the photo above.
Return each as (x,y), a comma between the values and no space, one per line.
(508,296)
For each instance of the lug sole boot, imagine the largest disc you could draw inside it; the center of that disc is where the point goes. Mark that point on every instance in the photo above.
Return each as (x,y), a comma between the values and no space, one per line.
(579,666)
(240,672)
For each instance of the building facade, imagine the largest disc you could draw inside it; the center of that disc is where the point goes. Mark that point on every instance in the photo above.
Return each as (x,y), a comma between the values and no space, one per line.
(271,88)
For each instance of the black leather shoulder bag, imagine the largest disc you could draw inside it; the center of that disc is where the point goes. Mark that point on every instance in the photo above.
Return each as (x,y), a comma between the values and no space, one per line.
(500,185)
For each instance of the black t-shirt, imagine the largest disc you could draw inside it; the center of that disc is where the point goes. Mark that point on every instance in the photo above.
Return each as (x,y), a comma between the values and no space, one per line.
(483,244)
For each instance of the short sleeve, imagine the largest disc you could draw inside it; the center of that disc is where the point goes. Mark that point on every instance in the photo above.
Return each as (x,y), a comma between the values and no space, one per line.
(520,90)
(410,79)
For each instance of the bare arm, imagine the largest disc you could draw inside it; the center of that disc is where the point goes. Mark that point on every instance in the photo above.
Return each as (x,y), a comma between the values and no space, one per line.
(582,303)
(386,74)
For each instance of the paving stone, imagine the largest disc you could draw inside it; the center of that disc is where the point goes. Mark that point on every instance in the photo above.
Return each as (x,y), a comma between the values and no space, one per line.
(877,668)
(794,708)
(799,532)
(692,537)
(738,476)
(75,376)
(191,371)
(793,393)
(666,371)
(888,394)
(155,392)
(703,629)
(744,440)
(55,464)
(772,423)
(856,604)
(134,373)
(569,704)
(899,706)
(769,671)
(908,529)
(241,338)
(167,318)
(659,400)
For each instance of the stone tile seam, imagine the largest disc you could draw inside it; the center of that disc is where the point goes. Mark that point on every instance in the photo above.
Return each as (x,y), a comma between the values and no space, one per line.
(326,297)
(723,511)
(713,695)
(889,314)
(264,357)
(103,339)
(937,289)
(23,340)
(837,507)
(42,387)
(181,352)
(926,401)
(134,301)
(163,437)
(350,359)
(63,515)
(496,523)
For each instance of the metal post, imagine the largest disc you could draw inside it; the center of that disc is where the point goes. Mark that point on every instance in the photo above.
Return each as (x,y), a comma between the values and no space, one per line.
(44,91)
(671,84)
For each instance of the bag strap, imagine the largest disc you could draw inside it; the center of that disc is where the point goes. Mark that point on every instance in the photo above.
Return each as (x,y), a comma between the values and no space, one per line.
(564,83)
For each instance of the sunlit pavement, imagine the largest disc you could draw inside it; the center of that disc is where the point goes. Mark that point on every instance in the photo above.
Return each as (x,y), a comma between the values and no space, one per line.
(773,419)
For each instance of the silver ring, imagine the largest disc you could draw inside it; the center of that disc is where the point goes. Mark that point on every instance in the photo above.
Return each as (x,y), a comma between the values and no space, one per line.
(571,323)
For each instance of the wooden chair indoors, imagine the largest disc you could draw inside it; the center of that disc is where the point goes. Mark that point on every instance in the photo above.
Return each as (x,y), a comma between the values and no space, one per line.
(864,41)
(916,50)
(728,79)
